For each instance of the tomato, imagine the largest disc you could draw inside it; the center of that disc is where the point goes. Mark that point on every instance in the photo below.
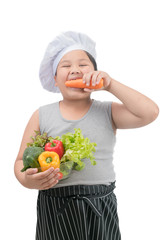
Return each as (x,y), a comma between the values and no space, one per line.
(60,175)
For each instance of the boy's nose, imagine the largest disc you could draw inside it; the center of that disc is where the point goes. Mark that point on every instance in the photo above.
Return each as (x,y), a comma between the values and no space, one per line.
(75,70)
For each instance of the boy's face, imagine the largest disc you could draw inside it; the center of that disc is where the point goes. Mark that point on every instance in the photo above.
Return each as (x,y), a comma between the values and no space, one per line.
(72,66)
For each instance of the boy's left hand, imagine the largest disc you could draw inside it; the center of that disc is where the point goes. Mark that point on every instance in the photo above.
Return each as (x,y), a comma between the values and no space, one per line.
(95,77)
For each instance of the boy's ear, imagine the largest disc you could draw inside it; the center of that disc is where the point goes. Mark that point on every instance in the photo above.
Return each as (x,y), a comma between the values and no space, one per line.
(55,79)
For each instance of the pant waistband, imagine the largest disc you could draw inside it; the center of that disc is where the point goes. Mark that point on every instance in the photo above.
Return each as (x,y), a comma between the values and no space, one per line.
(89,190)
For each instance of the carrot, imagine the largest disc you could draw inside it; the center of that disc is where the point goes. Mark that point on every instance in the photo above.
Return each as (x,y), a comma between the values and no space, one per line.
(78,83)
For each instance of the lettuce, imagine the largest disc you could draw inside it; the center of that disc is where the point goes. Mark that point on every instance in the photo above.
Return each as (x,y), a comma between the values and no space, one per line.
(77,148)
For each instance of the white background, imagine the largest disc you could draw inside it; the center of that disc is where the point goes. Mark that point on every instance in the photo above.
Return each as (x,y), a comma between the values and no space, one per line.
(128,47)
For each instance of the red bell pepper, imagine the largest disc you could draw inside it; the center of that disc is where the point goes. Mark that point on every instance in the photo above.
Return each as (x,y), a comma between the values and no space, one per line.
(55,146)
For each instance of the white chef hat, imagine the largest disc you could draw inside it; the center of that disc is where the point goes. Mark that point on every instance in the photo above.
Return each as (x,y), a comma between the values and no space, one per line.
(61,45)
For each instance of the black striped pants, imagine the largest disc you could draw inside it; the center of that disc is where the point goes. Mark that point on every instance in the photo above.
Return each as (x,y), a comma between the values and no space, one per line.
(79,212)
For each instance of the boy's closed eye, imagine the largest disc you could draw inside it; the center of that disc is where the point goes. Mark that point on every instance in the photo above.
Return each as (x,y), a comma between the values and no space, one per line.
(66,66)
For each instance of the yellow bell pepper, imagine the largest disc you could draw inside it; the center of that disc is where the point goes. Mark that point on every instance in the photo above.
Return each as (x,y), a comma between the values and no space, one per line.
(48,159)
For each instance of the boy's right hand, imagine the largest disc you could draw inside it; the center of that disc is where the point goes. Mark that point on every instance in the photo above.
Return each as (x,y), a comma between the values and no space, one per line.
(41,181)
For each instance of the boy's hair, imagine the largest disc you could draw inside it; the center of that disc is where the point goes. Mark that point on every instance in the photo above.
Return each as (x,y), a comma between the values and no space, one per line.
(92,60)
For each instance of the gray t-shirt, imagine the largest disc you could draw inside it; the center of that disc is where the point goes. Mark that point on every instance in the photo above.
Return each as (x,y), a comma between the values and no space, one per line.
(96,124)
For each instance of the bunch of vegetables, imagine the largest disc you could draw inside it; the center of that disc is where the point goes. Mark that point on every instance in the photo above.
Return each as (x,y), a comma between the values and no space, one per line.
(66,152)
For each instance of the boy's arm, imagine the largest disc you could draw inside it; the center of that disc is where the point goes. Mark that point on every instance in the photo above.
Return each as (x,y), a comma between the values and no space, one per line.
(32,125)
(136,109)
